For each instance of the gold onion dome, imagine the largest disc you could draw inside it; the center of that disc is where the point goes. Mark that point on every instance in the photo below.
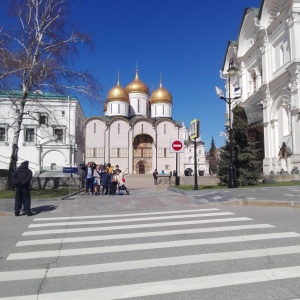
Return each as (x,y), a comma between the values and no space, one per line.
(137,86)
(117,93)
(161,95)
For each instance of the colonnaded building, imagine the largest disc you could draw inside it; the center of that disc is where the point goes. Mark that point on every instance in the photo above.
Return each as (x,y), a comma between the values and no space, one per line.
(267,57)
(135,132)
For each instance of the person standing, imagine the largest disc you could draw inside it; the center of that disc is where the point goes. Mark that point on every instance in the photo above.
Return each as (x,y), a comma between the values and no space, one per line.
(155,173)
(104,181)
(110,171)
(89,178)
(22,178)
(96,181)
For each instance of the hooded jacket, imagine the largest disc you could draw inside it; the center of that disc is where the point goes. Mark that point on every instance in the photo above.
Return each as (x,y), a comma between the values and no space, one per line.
(22,176)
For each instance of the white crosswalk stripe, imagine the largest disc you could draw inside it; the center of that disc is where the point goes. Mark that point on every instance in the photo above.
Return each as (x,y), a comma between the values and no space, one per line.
(170,243)
(122,227)
(130,220)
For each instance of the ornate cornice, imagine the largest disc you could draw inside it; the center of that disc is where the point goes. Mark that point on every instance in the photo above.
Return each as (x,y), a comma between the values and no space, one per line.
(293,17)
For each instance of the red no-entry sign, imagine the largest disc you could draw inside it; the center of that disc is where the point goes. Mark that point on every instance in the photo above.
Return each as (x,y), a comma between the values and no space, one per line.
(176,145)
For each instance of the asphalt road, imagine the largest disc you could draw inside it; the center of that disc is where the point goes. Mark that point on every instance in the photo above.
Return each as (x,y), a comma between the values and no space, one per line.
(182,250)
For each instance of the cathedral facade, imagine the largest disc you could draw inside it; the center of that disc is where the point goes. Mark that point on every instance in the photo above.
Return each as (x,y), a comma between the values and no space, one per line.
(136,130)
(266,56)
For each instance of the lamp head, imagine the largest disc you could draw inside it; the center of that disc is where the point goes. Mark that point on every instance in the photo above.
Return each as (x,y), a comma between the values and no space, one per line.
(232,69)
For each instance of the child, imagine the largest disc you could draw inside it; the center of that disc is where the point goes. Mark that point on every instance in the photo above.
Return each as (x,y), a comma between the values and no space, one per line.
(121,181)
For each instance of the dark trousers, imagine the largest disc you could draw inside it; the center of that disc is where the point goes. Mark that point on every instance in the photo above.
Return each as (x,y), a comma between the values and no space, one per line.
(113,188)
(105,187)
(123,187)
(155,180)
(22,195)
(89,184)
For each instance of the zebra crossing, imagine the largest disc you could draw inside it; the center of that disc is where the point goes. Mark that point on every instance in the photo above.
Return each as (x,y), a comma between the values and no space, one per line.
(155,255)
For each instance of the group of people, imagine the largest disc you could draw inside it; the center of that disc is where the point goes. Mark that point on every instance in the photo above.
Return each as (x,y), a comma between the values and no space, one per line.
(155,174)
(107,181)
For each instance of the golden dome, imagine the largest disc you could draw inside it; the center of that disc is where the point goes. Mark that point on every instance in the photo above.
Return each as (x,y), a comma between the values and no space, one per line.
(161,95)
(137,86)
(117,93)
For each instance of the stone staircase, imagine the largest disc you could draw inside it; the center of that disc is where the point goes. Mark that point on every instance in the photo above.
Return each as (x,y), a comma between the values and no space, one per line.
(146,182)
(137,181)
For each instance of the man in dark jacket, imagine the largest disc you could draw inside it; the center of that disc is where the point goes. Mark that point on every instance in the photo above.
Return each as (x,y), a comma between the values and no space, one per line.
(104,181)
(21,178)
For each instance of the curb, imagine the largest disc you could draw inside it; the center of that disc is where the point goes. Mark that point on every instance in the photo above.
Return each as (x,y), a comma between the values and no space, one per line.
(264,203)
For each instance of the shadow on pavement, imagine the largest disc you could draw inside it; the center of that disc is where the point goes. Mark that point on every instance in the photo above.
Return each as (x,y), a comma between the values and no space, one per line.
(44,208)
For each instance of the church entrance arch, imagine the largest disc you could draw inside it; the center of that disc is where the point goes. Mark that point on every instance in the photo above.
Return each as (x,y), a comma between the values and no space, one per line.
(142,154)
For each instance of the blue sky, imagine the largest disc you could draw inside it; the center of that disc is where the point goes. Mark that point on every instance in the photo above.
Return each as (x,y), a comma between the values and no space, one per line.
(185,41)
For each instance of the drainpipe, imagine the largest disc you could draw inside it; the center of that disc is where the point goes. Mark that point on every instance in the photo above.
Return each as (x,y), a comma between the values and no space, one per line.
(104,137)
(108,144)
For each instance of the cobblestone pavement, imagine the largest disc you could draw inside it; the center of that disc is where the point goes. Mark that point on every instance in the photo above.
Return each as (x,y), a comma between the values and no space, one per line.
(143,199)
(275,195)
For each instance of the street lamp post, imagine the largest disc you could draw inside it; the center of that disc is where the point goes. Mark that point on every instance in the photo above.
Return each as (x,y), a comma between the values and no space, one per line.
(232,183)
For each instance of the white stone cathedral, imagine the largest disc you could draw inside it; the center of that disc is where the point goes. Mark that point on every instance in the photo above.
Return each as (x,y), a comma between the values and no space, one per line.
(267,58)
(136,130)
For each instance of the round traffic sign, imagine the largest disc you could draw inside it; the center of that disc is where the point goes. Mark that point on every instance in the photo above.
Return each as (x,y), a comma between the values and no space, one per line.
(177,145)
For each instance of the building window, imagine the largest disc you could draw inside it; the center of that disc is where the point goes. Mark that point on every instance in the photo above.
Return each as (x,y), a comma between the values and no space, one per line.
(163,110)
(118,128)
(29,135)
(94,127)
(62,113)
(118,153)
(138,105)
(59,134)
(165,129)
(2,134)
(281,56)
(42,120)
(118,108)
(94,152)
(142,128)
(53,166)
(165,152)
(155,111)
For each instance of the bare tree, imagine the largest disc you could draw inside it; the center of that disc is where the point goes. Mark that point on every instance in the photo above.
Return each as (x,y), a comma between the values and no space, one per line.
(38,53)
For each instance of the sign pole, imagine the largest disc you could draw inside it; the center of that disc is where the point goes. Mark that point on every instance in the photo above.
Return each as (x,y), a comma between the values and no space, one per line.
(176,146)
(195,166)
(69,170)
(176,174)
